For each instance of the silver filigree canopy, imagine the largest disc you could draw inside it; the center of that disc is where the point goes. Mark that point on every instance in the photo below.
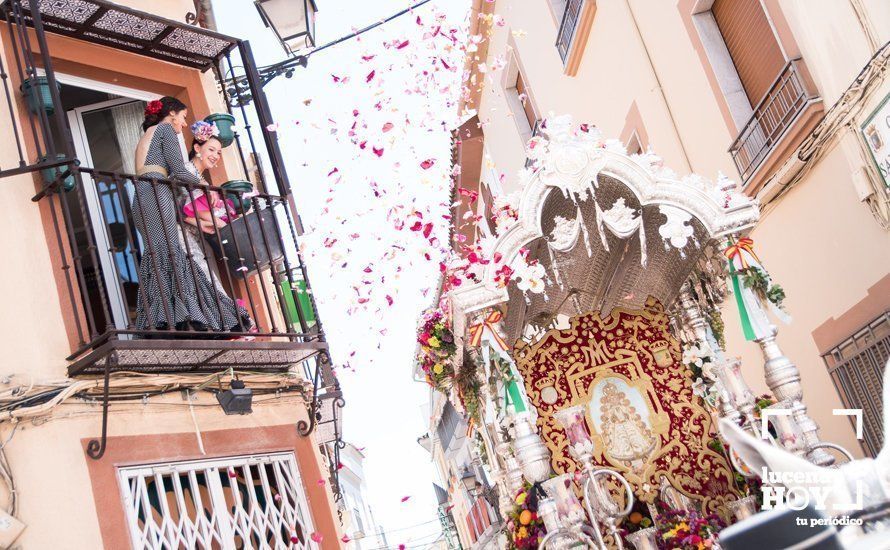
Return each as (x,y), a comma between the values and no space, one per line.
(648,228)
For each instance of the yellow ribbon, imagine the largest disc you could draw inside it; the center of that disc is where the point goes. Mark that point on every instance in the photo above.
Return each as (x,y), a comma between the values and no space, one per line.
(476,330)
(735,251)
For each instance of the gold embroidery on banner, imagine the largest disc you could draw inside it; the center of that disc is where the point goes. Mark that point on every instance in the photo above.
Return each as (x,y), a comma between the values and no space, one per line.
(643,417)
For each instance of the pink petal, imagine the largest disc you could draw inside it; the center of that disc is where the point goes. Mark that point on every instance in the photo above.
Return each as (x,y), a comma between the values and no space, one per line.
(377,151)
(405,499)
(388,126)
(370,76)
(402,44)
(427,164)
(316,536)
(345,539)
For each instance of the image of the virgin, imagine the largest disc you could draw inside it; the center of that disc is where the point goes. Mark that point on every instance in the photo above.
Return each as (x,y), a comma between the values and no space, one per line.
(620,415)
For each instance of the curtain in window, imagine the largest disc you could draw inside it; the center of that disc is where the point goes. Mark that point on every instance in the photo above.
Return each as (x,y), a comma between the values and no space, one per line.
(128,129)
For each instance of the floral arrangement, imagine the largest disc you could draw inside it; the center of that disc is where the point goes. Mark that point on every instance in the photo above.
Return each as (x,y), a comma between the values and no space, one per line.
(531,277)
(687,530)
(504,212)
(757,280)
(525,529)
(437,348)
(698,358)
(203,131)
(469,387)
(637,520)
(762,402)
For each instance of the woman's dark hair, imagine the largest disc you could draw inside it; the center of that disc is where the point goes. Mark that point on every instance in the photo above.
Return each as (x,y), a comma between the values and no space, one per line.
(192,151)
(158,109)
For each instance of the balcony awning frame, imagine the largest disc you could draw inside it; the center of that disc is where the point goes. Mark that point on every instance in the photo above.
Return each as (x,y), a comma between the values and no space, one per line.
(122,28)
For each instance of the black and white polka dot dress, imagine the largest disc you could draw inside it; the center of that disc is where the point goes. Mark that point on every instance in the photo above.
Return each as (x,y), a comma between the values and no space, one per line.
(169,282)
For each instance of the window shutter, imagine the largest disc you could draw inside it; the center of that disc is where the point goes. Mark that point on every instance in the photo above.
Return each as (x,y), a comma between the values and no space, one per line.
(751,43)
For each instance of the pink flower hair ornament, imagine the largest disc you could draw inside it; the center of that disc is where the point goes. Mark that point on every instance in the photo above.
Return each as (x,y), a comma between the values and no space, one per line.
(203,131)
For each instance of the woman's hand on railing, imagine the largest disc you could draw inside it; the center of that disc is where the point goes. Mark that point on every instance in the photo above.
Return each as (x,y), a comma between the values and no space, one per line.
(207,226)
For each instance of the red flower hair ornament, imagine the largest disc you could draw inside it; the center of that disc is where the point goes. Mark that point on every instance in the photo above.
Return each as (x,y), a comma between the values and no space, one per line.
(154,107)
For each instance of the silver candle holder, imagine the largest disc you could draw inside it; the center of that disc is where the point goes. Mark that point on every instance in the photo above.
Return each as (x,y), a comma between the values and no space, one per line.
(570,525)
(601,509)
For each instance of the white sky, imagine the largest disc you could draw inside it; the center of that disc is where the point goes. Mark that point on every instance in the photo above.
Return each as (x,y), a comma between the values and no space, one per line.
(384,405)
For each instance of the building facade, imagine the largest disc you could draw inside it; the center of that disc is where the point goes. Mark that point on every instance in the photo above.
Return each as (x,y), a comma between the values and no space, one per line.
(358,519)
(789,99)
(467,497)
(116,436)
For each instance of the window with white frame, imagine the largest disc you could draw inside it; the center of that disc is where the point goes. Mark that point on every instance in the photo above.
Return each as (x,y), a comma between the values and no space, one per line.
(255,501)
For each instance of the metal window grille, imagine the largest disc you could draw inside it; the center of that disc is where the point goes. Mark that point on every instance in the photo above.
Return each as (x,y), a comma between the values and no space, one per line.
(253,502)
(567,28)
(856,366)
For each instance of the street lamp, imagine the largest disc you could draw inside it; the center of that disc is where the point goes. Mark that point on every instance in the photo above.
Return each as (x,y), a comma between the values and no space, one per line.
(292,21)
(468,480)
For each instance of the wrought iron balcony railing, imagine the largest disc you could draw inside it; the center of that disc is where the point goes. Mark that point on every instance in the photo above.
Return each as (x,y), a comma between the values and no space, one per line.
(567,27)
(90,215)
(773,116)
(93,219)
(253,257)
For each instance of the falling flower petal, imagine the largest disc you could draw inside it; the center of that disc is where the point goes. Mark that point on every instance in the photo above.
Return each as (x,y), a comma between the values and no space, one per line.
(316,537)
(427,164)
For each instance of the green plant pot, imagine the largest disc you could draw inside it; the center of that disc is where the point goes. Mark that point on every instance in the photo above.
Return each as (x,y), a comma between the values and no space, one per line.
(238,188)
(49,174)
(224,122)
(37,94)
(295,296)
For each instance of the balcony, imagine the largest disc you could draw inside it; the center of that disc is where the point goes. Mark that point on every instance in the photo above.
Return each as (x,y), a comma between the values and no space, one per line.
(789,105)
(86,197)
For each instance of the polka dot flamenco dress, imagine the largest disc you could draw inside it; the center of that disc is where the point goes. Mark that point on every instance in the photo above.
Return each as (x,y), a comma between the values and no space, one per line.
(170,283)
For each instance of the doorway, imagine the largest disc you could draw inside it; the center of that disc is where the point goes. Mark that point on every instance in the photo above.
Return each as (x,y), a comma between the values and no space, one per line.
(104,120)
(105,135)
